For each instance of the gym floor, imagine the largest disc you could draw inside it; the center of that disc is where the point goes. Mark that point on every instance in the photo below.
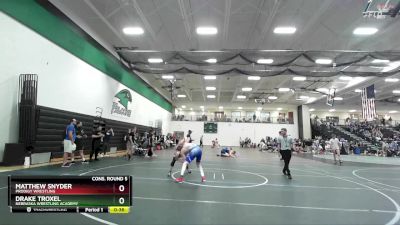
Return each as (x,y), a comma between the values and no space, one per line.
(247,190)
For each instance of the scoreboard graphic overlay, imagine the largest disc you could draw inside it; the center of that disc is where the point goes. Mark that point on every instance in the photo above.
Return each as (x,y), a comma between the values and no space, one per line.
(77,194)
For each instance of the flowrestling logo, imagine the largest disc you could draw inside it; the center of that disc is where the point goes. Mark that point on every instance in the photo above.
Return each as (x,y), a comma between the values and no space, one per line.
(121,102)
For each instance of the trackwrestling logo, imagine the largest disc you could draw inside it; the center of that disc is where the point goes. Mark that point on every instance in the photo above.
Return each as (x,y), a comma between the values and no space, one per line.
(122,98)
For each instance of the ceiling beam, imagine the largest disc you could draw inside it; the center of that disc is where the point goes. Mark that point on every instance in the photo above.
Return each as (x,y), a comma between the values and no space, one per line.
(116,9)
(186,85)
(315,18)
(252,30)
(185,19)
(105,21)
(144,20)
(237,88)
(268,23)
(158,8)
(219,89)
(228,4)
(202,88)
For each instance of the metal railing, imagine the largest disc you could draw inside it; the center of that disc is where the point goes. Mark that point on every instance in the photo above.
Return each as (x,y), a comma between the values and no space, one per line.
(275,120)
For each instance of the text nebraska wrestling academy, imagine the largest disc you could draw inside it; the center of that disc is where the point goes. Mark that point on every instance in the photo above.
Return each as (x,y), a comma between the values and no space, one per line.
(40,188)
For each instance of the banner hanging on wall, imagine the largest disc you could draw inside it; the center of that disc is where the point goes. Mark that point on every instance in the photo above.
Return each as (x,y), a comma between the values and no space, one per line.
(210,127)
(121,103)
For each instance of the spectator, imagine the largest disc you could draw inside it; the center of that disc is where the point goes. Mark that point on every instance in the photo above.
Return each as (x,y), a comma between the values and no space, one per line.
(107,138)
(69,142)
(80,141)
(97,143)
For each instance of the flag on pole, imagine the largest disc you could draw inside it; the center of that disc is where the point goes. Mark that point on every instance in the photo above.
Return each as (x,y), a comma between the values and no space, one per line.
(368,103)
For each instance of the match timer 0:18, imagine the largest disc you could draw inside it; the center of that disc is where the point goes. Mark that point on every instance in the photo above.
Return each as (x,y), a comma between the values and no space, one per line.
(102,194)
(118,209)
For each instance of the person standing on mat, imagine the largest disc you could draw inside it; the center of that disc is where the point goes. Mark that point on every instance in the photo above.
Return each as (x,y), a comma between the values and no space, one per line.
(69,142)
(285,144)
(201,141)
(107,138)
(280,153)
(97,143)
(80,141)
(190,151)
(189,136)
(175,158)
(335,146)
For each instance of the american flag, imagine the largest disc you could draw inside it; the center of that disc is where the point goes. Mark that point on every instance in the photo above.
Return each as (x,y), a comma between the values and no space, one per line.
(368,103)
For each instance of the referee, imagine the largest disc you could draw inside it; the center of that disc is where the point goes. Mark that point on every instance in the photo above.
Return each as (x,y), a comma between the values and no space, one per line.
(285,144)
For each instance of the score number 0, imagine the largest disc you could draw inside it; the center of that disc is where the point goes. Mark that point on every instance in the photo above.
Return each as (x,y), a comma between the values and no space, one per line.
(121,200)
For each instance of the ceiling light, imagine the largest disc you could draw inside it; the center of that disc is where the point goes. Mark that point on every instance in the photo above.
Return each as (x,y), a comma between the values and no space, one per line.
(272,97)
(265,61)
(210,96)
(279,109)
(220,107)
(391,66)
(398,100)
(133,30)
(323,90)
(241,97)
(240,108)
(332,110)
(394,111)
(201,107)
(396,91)
(155,60)
(167,77)
(311,110)
(365,31)
(284,89)
(206,30)
(304,97)
(392,80)
(181,96)
(358,90)
(191,108)
(299,78)
(338,98)
(259,108)
(345,78)
(253,78)
(211,60)
(210,77)
(284,30)
(323,61)
(353,110)
(376,61)
(211,88)
(183,107)
(247,89)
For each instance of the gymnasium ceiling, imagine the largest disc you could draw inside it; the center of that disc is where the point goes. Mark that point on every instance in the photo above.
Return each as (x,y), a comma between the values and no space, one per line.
(324,29)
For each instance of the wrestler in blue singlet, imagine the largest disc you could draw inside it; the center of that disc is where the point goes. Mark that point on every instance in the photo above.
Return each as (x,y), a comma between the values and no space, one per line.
(195,153)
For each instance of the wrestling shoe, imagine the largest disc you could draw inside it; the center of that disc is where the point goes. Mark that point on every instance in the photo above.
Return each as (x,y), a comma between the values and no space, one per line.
(203,179)
(66,165)
(179,180)
(289,176)
(169,174)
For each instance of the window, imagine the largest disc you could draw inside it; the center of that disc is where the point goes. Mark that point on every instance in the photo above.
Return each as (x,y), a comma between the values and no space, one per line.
(236,116)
